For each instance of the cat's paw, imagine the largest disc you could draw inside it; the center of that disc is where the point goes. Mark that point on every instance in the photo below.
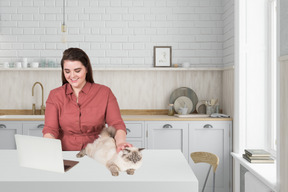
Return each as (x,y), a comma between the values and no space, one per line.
(115,173)
(130,171)
(81,154)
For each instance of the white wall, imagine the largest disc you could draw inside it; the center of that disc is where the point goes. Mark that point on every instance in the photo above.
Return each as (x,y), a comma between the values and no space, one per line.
(115,32)
(283,103)
(283,27)
(282,132)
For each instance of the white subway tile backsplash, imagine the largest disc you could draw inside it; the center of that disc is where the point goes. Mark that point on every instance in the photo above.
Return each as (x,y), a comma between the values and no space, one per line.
(130,27)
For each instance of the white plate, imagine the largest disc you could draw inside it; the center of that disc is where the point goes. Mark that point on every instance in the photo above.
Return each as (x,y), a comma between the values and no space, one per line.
(181,101)
(184,91)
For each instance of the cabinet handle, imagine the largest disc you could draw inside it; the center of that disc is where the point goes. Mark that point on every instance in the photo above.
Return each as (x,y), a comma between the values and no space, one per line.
(208,126)
(40,126)
(128,130)
(167,126)
(2,126)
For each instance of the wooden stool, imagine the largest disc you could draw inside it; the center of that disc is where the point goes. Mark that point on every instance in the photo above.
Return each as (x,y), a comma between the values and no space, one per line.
(205,157)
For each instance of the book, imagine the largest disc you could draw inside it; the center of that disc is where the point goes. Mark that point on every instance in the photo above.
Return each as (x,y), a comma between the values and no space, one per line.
(257,157)
(256,153)
(270,160)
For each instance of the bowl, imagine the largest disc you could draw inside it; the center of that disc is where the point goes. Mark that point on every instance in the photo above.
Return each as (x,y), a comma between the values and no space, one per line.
(34,65)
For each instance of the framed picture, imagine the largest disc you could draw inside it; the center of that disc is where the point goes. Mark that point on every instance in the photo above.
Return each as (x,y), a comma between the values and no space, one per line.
(162,56)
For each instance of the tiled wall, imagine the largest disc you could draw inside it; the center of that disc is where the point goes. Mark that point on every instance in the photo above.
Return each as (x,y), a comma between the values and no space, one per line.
(118,33)
(228,33)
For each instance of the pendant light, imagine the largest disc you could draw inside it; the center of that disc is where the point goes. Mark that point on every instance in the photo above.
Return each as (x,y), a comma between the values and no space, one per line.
(63,26)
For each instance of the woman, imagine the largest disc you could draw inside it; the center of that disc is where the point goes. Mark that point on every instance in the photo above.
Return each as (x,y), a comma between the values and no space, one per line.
(77,111)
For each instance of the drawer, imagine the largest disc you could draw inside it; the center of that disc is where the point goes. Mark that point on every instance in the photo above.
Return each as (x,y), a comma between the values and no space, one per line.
(168,125)
(36,125)
(134,130)
(33,129)
(210,124)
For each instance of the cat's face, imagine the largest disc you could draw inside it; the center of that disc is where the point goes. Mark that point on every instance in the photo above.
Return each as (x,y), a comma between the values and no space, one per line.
(131,154)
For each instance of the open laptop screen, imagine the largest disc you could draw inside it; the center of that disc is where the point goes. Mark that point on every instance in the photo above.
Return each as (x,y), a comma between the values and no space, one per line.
(41,153)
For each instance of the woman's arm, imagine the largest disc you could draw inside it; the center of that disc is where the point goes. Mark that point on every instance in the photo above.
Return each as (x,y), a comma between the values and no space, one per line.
(120,139)
(51,126)
(113,118)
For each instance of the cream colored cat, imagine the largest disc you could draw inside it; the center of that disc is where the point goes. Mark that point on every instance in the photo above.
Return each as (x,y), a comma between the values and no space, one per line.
(103,150)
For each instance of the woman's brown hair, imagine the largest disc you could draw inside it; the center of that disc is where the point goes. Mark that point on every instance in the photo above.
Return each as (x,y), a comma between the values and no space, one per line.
(76,54)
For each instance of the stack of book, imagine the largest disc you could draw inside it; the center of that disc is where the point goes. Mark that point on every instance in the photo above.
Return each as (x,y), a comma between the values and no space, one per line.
(257,156)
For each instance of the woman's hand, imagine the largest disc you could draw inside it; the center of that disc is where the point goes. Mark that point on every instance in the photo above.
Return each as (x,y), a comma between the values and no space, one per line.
(122,146)
(120,138)
(49,135)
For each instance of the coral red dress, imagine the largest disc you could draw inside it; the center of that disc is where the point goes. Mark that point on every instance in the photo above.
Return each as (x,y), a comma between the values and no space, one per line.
(77,124)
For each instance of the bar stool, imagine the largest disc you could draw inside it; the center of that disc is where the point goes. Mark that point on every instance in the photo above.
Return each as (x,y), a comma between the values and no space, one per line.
(210,158)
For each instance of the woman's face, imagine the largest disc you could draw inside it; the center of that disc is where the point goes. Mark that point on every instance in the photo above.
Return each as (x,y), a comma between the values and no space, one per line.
(75,73)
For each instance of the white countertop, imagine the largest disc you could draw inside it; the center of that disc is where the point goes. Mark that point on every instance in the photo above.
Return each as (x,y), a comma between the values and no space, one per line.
(161,170)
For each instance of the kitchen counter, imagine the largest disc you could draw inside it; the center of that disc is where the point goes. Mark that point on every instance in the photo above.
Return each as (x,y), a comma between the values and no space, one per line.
(162,170)
(125,118)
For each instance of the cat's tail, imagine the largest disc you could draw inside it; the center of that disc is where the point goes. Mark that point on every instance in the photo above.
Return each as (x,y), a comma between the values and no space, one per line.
(108,131)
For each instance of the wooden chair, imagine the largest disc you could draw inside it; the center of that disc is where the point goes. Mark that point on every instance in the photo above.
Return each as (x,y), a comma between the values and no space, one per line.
(210,158)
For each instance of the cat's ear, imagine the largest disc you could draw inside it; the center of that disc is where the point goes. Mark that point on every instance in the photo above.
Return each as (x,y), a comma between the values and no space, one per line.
(140,149)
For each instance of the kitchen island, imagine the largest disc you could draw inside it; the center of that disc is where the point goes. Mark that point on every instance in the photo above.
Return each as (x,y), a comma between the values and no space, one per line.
(162,170)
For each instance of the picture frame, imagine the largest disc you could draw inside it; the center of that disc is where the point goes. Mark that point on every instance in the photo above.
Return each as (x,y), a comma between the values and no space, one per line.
(162,56)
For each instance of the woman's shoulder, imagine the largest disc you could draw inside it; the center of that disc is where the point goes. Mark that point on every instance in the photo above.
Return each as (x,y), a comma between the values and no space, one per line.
(59,90)
(100,87)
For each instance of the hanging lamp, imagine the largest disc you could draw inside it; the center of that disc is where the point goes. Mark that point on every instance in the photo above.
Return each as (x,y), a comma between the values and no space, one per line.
(63,26)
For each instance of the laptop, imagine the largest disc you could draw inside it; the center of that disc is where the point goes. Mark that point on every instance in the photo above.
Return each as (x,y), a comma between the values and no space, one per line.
(42,153)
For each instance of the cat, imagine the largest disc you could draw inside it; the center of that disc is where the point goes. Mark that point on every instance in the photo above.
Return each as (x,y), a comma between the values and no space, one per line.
(103,150)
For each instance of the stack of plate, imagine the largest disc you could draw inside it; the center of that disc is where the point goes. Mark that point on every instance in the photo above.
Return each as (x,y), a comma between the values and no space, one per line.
(184,97)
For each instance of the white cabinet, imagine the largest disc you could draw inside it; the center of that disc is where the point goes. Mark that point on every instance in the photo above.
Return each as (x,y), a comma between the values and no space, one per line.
(168,135)
(187,136)
(33,128)
(9,128)
(7,131)
(213,137)
(135,133)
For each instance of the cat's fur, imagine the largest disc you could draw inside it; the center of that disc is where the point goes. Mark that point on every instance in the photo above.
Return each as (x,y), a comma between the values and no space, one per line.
(103,149)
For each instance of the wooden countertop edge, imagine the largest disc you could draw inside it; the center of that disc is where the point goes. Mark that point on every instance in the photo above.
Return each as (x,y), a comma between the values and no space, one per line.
(127,115)
(122,111)
(135,118)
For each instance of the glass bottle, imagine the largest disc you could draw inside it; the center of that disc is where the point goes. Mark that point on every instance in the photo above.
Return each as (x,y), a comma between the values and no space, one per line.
(170,109)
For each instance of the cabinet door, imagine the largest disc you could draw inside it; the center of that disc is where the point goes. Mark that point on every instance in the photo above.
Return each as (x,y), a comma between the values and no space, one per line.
(33,128)
(7,132)
(168,135)
(135,133)
(213,137)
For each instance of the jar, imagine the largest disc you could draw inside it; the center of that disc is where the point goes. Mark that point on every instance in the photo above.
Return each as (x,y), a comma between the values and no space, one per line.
(210,109)
(170,109)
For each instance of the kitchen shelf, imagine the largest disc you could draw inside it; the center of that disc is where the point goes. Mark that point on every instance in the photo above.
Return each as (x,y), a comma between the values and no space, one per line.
(127,69)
